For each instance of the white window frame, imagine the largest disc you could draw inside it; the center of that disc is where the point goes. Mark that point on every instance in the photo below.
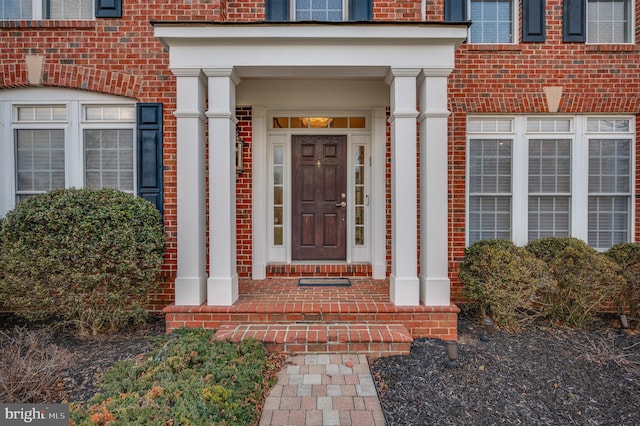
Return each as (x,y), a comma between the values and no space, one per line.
(630,35)
(37,12)
(73,100)
(345,10)
(579,226)
(515,11)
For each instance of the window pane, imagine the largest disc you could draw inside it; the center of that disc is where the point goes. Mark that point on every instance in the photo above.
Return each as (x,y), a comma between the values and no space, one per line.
(15,9)
(278,195)
(42,113)
(108,155)
(549,165)
(319,10)
(490,165)
(69,9)
(39,161)
(360,197)
(608,21)
(549,176)
(489,218)
(609,191)
(609,166)
(548,217)
(492,21)
(608,221)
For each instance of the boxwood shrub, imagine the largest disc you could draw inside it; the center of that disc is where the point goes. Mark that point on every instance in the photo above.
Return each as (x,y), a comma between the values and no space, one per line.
(587,280)
(505,282)
(86,256)
(627,256)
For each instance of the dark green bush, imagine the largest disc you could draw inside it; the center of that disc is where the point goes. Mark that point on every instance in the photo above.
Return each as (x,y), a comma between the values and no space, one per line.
(627,256)
(505,282)
(86,256)
(587,280)
(189,381)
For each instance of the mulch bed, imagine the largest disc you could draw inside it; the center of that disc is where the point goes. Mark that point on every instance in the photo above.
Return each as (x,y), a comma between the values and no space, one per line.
(89,357)
(543,375)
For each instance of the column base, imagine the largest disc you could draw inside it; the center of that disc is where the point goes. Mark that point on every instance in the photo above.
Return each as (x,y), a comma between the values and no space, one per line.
(190,291)
(404,291)
(435,291)
(222,291)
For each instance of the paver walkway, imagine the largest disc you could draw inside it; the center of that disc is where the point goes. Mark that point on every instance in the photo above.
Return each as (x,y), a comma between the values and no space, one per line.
(324,389)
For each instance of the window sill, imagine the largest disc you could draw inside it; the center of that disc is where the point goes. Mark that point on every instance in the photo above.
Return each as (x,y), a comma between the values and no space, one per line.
(494,47)
(50,23)
(612,48)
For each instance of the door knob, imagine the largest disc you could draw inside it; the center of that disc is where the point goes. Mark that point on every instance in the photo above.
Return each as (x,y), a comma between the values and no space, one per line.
(342,204)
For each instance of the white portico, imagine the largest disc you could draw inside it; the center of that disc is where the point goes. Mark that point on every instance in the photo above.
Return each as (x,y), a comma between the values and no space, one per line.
(287,70)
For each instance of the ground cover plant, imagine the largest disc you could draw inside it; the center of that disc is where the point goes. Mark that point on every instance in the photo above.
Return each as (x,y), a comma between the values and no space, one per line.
(91,257)
(188,381)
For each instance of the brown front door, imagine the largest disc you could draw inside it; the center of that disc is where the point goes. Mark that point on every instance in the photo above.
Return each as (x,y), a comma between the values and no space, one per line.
(319,198)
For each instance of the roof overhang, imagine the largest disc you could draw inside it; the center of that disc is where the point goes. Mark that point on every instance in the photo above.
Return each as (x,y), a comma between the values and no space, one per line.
(311,50)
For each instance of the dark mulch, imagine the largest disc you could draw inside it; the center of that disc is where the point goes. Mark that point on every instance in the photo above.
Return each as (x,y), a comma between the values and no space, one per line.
(91,356)
(543,375)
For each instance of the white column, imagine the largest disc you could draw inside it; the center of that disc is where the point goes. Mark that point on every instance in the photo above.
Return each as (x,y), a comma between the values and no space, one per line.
(379,193)
(259,202)
(190,284)
(434,219)
(222,286)
(404,283)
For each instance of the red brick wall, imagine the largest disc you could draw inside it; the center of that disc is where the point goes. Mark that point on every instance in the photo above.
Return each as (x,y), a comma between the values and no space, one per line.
(121,57)
(510,79)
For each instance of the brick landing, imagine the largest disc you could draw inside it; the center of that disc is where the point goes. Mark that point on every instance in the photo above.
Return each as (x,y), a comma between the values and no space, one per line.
(279,304)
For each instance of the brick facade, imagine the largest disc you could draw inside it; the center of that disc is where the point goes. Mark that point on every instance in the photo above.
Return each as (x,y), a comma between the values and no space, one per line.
(122,57)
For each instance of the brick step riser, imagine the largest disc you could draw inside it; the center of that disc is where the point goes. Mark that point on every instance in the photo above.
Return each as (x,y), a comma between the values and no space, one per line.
(374,350)
(418,324)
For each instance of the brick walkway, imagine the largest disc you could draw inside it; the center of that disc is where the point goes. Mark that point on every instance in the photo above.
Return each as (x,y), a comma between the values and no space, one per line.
(324,389)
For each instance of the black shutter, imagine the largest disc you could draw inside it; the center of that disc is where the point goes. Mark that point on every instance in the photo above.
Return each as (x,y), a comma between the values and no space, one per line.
(361,10)
(108,8)
(455,11)
(277,10)
(533,20)
(574,19)
(149,120)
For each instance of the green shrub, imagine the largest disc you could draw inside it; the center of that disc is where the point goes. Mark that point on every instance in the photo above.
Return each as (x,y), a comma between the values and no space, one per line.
(627,256)
(189,381)
(86,256)
(587,280)
(505,282)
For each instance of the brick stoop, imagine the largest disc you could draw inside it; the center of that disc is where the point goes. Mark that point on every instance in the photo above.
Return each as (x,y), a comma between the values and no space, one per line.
(318,319)
(375,340)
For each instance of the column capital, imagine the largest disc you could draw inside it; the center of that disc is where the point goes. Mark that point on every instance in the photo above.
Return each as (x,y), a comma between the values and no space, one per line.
(187,72)
(223,72)
(435,72)
(401,72)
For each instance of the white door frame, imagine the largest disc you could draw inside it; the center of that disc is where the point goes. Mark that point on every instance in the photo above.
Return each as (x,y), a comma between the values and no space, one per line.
(264,141)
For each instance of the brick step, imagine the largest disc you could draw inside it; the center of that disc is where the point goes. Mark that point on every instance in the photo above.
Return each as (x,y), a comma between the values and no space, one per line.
(375,340)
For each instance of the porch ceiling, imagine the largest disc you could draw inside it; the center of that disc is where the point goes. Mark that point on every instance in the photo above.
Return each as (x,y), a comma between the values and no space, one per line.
(262,50)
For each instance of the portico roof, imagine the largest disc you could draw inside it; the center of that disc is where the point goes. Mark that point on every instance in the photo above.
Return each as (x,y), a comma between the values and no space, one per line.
(311,50)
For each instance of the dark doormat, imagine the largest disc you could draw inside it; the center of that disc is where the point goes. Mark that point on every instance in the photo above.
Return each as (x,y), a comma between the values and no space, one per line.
(324,282)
